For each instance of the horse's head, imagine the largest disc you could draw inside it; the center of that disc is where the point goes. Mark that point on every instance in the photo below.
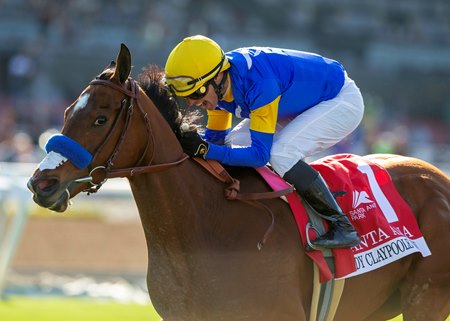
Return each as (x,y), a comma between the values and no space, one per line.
(107,127)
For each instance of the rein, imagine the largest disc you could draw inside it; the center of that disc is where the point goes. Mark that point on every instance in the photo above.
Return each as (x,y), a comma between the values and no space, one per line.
(232,192)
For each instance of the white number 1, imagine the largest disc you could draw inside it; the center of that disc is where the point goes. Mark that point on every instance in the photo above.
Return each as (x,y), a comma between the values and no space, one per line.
(380,198)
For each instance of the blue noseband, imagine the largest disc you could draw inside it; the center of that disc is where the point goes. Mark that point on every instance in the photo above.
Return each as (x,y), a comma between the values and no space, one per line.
(70,149)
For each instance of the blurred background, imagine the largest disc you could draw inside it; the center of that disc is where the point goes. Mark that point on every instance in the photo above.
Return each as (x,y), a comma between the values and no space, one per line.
(398,52)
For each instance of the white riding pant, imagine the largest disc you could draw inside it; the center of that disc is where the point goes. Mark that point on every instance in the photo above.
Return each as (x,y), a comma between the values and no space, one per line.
(311,132)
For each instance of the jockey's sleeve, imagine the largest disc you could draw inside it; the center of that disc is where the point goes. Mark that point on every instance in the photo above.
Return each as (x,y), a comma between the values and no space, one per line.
(218,126)
(263,122)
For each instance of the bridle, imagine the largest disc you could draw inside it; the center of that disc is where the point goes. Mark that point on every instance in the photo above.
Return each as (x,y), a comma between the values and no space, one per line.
(104,172)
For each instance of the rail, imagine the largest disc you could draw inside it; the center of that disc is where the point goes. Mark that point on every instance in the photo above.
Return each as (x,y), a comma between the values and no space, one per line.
(15,204)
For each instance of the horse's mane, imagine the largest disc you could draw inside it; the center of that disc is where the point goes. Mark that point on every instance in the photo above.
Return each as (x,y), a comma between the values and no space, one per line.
(151,80)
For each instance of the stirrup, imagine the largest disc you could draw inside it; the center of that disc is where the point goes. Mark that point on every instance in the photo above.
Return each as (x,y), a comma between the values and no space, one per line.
(309,246)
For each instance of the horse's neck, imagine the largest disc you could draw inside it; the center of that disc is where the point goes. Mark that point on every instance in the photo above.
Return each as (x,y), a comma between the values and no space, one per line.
(165,198)
(175,199)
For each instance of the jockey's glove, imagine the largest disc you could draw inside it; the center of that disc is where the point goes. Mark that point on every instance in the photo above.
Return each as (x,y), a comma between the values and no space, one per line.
(194,145)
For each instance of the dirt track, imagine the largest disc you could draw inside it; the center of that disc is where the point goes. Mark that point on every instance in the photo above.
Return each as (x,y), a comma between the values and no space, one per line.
(82,245)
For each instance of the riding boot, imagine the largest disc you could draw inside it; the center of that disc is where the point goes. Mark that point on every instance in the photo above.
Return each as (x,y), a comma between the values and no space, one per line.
(311,186)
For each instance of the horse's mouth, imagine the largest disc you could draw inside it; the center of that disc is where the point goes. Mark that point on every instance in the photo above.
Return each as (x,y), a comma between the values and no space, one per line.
(46,195)
(60,205)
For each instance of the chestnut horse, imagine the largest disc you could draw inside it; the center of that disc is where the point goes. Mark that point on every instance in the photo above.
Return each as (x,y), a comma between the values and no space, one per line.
(203,260)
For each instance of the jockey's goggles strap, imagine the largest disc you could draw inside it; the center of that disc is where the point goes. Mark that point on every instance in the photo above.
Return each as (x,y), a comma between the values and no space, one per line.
(180,84)
(219,87)
(70,149)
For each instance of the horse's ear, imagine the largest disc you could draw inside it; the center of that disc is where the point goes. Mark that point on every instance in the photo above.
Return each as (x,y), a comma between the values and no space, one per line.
(123,65)
(112,65)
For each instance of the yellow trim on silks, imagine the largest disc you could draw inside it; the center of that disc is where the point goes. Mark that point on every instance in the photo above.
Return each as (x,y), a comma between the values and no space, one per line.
(219,120)
(264,119)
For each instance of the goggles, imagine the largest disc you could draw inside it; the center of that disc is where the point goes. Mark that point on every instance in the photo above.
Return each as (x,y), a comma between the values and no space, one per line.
(181,84)
(201,92)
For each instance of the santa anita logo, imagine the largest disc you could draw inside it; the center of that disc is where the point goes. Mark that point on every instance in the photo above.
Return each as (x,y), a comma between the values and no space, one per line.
(361,205)
(360,198)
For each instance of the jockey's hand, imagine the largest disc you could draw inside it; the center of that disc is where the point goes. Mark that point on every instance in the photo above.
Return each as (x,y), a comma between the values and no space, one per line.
(193,144)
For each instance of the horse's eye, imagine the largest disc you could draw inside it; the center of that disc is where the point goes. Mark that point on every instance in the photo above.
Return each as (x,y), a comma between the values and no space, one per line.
(100,121)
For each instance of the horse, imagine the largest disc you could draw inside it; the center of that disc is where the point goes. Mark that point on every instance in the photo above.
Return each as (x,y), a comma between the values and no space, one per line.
(202,260)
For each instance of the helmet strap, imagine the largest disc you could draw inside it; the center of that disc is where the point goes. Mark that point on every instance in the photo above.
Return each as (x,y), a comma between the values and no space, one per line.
(218,88)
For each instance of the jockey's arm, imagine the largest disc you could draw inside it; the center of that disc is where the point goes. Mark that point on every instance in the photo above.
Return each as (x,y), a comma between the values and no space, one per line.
(263,122)
(218,126)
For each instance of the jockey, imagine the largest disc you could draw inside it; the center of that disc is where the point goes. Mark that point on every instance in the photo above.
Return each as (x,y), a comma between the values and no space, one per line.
(294,104)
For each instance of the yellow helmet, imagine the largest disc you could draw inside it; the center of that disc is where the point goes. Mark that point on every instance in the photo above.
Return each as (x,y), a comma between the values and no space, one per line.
(192,63)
